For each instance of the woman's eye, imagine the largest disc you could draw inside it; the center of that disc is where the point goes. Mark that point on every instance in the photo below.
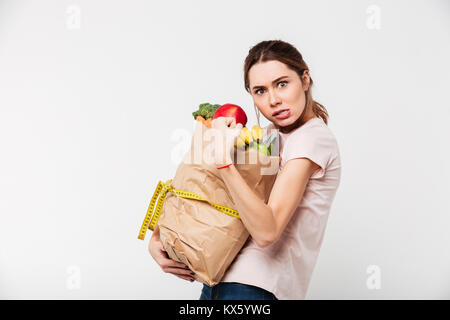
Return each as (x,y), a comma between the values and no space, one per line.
(261,90)
(285,82)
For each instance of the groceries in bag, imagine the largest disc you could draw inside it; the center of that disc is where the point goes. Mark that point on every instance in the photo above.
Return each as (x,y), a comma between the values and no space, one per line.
(198,222)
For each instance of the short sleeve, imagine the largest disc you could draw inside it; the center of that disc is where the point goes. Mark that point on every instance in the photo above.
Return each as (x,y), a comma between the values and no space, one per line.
(315,143)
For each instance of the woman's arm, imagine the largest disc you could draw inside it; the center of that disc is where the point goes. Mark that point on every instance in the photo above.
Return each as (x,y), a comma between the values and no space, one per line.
(266,222)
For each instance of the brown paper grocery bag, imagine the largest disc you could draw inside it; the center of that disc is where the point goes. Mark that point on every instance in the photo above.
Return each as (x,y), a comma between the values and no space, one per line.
(196,233)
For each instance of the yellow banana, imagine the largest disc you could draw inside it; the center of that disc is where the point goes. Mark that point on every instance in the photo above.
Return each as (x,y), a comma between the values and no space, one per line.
(246,135)
(240,143)
(257,133)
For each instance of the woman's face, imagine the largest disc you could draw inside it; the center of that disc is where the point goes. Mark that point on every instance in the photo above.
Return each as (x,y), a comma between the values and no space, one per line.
(274,87)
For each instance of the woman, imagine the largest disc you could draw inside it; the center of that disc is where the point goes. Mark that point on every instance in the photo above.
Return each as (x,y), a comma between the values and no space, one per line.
(286,233)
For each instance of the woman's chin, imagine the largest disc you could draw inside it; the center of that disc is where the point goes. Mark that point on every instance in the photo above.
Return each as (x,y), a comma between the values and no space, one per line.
(284,122)
(288,124)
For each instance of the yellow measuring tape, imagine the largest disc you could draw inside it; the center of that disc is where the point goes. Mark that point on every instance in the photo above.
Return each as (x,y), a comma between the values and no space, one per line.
(151,218)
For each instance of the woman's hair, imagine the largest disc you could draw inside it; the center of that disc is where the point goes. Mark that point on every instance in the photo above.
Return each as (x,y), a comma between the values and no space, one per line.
(289,55)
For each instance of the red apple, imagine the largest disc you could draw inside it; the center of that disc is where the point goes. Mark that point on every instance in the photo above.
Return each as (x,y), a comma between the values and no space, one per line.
(231,110)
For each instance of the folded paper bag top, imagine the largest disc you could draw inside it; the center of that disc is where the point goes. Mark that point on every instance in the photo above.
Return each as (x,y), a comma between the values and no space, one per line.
(196,233)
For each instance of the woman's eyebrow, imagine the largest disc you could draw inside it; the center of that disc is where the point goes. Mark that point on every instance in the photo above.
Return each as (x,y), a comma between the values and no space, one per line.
(274,81)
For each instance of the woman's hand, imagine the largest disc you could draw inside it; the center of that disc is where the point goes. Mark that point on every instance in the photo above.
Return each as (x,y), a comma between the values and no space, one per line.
(156,249)
(226,132)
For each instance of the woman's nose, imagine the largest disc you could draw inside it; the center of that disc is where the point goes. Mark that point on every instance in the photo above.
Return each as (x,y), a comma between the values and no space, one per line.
(274,98)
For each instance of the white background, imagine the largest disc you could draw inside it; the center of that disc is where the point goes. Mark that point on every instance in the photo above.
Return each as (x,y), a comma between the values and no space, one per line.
(93,95)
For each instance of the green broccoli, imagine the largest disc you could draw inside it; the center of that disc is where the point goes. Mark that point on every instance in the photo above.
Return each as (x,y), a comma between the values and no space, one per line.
(206,110)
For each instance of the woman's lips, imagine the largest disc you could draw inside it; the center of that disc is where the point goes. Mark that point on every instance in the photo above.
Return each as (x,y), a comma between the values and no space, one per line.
(278,111)
(283,114)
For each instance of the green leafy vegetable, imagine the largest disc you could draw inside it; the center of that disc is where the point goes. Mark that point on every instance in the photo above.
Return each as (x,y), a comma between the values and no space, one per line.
(206,110)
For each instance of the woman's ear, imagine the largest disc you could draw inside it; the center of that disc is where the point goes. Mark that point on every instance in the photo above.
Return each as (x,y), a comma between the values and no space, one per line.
(305,80)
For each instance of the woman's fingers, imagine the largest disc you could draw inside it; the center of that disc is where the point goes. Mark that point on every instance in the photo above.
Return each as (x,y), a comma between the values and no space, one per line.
(238,129)
(224,122)
(178,271)
(218,123)
(186,278)
(169,263)
(230,122)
